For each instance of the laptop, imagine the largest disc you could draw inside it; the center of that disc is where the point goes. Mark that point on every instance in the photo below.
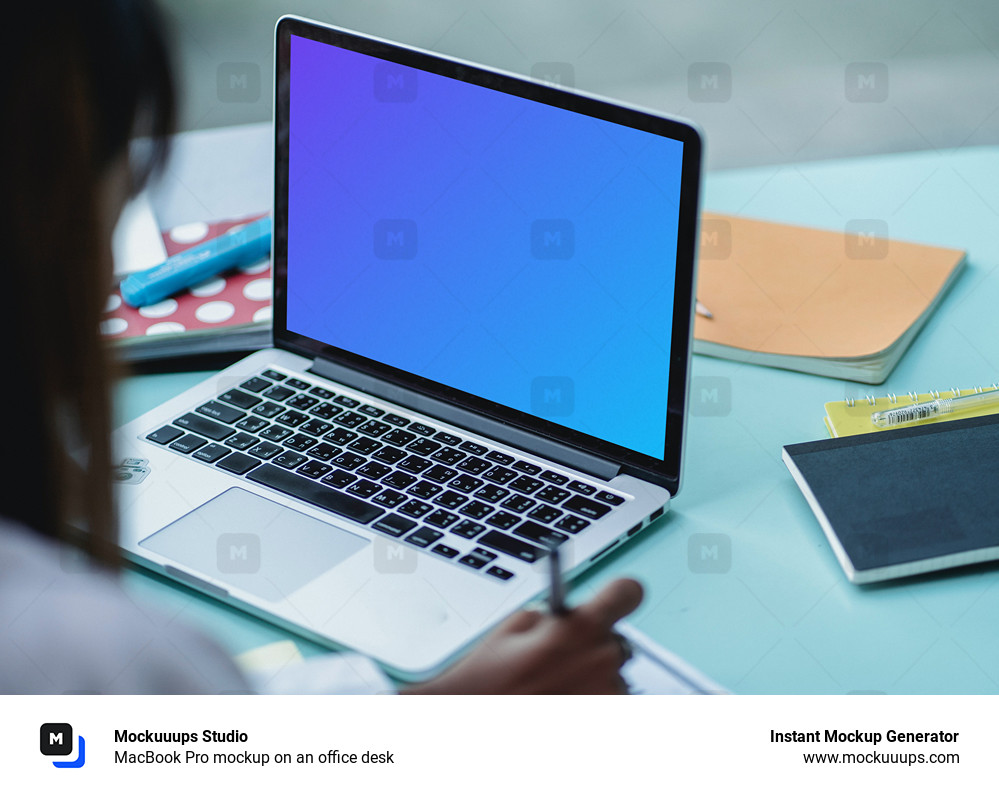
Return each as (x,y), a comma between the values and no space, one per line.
(482,328)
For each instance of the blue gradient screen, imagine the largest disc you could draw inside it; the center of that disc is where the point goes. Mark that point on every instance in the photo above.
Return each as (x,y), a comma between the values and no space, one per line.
(521,253)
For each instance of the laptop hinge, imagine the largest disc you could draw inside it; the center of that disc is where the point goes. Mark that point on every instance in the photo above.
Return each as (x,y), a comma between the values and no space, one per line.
(471,421)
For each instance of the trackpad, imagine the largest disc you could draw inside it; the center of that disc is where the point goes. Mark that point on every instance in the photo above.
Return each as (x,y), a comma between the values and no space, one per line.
(252,543)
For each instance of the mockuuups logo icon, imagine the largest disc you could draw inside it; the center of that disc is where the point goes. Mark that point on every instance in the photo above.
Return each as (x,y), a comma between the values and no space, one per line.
(56,739)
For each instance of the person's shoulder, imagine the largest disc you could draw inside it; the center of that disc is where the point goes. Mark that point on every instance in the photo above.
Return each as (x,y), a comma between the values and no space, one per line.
(69,627)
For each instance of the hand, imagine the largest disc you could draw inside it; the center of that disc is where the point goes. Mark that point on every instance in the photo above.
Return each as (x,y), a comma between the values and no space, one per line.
(534,652)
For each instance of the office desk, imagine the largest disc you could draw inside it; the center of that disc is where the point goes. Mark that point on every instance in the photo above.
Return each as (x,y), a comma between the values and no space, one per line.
(773,612)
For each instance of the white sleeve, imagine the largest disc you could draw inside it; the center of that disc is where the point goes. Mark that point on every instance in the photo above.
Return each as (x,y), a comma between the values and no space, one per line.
(346,674)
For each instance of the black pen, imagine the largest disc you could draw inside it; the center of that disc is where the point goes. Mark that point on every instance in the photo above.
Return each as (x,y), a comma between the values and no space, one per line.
(556,590)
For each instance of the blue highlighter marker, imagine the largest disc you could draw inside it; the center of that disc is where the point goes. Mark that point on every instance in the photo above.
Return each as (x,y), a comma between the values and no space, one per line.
(241,245)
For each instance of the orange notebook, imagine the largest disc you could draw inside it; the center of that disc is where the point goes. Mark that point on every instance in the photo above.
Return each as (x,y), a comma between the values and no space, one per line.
(840,304)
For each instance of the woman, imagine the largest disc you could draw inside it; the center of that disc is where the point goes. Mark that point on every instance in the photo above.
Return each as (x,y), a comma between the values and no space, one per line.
(82,83)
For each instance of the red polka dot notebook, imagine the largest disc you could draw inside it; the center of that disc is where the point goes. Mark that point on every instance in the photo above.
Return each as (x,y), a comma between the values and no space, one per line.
(227,313)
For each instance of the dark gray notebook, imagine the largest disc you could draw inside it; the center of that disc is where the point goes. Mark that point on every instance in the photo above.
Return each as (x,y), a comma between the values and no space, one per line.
(905,501)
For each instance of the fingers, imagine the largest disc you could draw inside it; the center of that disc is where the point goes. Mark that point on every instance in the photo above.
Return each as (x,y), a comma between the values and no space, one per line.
(615,601)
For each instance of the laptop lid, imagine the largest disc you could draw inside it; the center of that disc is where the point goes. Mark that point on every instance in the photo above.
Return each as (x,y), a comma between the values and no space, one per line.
(490,245)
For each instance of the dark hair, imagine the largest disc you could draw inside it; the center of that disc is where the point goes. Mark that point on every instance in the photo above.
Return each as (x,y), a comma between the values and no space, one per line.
(83,78)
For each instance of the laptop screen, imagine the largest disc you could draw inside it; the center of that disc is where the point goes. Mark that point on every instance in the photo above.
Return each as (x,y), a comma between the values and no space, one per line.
(519,252)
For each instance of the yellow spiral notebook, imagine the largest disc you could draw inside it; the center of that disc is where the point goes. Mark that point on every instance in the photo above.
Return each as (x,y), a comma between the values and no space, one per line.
(853,416)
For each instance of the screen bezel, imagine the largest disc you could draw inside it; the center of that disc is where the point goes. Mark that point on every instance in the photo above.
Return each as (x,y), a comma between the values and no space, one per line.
(665,472)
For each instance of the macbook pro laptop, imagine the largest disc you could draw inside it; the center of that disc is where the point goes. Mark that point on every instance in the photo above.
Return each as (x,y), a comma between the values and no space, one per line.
(482,320)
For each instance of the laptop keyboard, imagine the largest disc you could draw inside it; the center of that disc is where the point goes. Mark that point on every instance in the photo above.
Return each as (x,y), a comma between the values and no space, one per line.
(407,478)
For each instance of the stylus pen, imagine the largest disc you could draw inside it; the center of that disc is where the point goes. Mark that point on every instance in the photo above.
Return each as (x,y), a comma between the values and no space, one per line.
(556,591)
(918,412)
(241,245)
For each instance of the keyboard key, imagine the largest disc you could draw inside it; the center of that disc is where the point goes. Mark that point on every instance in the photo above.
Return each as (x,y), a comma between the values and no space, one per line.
(448,455)
(321,392)
(500,458)
(527,468)
(241,441)
(474,466)
(312,492)
(340,436)
(313,469)
(389,498)
(552,494)
(524,484)
(504,520)
(300,442)
(588,508)
(423,447)
(374,470)
(440,473)
(255,384)
(424,489)
(274,375)
(371,411)
(441,518)
(399,437)
(325,411)
(239,399)
(265,450)
(349,402)
(324,451)
(349,460)
(349,419)
(364,488)
(394,525)
(221,412)
(450,499)
(544,513)
(292,418)
(423,537)
(518,503)
(374,428)
(540,534)
(478,558)
(467,529)
(297,383)
(289,460)
(303,402)
(389,455)
(445,551)
(473,448)
(477,510)
(465,483)
(395,419)
(500,475)
(420,428)
(364,445)
(572,524)
(276,433)
(414,464)
(498,573)
(491,493)
(315,427)
(211,453)
(582,488)
(204,427)
(188,443)
(268,409)
(164,435)
(447,438)
(400,480)
(279,393)
(554,477)
(252,424)
(238,463)
(512,546)
(339,479)
(415,508)
(610,499)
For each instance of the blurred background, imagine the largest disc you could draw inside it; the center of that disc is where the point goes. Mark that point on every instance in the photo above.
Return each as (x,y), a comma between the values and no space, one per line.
(770,81)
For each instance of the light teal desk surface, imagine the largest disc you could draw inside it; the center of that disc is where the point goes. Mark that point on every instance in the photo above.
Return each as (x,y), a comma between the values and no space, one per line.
(783,618)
